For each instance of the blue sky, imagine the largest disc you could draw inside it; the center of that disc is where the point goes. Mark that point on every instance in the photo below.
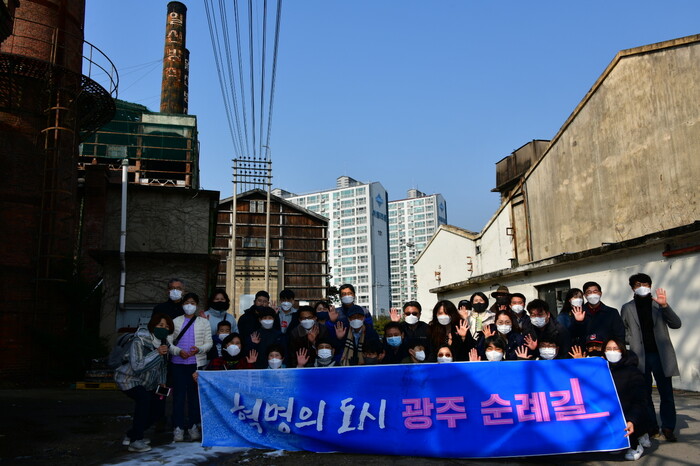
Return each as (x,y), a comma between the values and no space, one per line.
(425,94)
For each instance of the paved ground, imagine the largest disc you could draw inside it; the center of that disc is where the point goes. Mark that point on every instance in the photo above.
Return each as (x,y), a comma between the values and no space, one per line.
(77,427)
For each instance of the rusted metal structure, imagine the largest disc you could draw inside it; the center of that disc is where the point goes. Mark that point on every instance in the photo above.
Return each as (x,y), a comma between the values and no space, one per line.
(54,89)
(173,94)
(298,247)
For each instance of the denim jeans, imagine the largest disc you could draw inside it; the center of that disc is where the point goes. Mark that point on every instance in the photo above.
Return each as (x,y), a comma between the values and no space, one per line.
(148,409)
(667,406)
(185,392)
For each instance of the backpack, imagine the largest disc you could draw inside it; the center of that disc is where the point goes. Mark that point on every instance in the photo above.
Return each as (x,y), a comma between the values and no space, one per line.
(120,353)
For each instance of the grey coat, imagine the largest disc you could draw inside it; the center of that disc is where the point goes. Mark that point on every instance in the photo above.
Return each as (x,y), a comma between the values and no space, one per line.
(663,320)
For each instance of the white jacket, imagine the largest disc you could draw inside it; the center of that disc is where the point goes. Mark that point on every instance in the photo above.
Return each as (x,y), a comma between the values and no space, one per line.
(202,338)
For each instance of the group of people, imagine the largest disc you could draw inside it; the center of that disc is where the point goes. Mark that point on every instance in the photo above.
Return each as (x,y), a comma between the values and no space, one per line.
(182,338)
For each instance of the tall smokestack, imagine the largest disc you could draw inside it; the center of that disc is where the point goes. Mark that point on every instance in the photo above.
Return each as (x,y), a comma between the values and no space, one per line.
(173,90)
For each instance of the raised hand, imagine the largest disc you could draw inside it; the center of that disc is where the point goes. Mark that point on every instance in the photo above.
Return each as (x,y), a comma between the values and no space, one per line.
(312,334)
(578,312)
(660,297)
(530,342)
(474,355)
(255,337)
(521,353)
(332,314)
(394,314)
(487,331)
(577,352)
(252,357)
(302,357)
(340,330)
(463,328)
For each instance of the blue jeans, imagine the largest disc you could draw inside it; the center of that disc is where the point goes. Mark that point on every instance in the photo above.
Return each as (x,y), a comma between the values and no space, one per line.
(148,409)
(185,391)
(667,406)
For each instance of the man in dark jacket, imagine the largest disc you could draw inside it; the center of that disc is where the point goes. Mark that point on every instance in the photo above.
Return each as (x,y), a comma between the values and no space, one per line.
(173,306)
(595,317)
(646,321)
(250,320)
(546,328)
(415,331)
(347,298)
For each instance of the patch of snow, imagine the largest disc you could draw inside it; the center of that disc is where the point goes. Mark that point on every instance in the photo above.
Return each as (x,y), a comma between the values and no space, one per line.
(180,453)
(275,453)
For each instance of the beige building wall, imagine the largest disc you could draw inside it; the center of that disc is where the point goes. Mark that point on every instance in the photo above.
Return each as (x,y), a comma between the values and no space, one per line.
(627,162)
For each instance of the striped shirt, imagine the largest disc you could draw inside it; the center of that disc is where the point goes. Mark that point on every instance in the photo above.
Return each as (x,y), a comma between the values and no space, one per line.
(145,366)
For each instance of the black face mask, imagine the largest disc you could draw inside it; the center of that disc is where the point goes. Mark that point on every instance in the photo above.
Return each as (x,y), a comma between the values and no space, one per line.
(595,353)
(371,361)
(479,307)
(502,300)
(220,306)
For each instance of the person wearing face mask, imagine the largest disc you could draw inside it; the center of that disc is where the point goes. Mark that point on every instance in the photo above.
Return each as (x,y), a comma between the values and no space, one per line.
(249,321)
(189,345)
(481,316)
(358,335)
(522,319)
(223,330)
(546,328)
(647,319)
(305,336)
(324,354)
(444,354)
(416,332)
(219,304)
(141,375)
(495,350)
(416,355)
(629,383)
(395,347)
(508,329)
(267,335)
(595,317)
(173,306)
(347,300)
(287,314)
(572,299)
(502,299)
(232,356)
(275,357)
(448,329)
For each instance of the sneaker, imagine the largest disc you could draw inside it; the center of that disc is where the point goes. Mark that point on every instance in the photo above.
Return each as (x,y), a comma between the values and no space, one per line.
(139,446)
(634,454)
(645,441)
(194,432)
(669,435)
(178,435)
(126,441)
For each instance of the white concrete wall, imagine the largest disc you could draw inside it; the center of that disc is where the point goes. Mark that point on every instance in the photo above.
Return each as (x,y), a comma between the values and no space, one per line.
(679,276)
(449,253)
(497,248)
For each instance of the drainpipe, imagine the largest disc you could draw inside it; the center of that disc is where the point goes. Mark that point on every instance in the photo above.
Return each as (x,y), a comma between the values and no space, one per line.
(122,235)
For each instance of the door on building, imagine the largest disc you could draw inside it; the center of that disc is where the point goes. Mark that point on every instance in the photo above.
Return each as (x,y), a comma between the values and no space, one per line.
(554,293)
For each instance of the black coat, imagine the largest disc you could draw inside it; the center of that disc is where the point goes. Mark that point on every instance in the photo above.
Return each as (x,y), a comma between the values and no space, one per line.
(631,389)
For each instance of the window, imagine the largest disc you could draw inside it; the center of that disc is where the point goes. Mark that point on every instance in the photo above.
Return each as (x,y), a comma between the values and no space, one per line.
(347,193)
(256,206)
(347,231)
(362,230)
(346,204)
(359,191)
(554,294)
(362,249)
(253,242)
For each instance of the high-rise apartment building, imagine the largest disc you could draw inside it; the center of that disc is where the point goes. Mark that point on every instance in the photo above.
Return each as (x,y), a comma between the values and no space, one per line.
(412,222)
(358,237)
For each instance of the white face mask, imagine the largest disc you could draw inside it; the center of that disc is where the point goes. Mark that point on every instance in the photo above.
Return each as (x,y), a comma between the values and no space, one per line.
(175,295)
(642,291)
(613,356)
(286,305)
(548,353)
(410,320)
(577,302)
(420,355)
(444,359)
(324,353)
(233,350)
(274,363)
(593,299)
(494,355)
(189,309)
(267,323)
(444,319)
(517,308)
(307,323)
(538,321)
(504,329)
(222,336)
(348,299)
(356,323)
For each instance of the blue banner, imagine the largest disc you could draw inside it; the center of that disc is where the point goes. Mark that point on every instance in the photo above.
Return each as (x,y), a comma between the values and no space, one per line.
(461,410)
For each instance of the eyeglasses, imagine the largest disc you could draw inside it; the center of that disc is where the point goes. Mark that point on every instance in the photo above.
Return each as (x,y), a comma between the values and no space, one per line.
(411,314)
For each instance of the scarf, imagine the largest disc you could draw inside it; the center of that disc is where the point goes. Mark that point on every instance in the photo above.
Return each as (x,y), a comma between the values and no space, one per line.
(350,351)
